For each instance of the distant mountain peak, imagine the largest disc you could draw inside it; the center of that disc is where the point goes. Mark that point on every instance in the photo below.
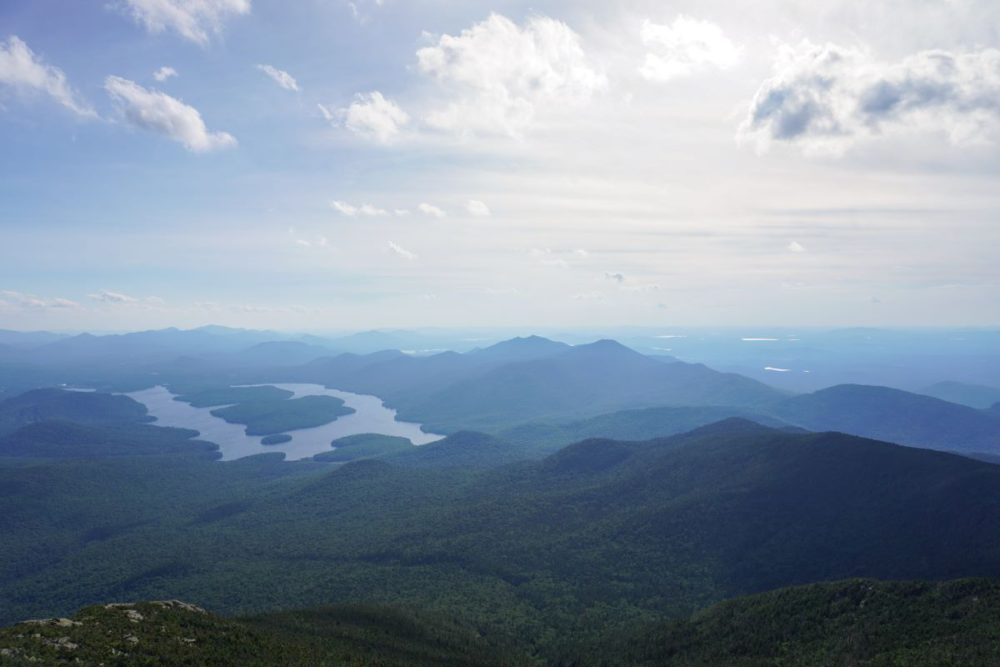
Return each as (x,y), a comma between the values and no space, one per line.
(523,348)
(606,347)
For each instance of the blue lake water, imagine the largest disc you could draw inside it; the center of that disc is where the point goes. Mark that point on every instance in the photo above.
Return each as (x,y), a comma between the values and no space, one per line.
(370,416)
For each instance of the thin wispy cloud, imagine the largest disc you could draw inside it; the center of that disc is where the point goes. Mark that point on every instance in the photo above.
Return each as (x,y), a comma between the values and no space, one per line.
(14,299)
(280,77)
(107,296)
(400,251)
(431,211)
(352,211)
(194,20)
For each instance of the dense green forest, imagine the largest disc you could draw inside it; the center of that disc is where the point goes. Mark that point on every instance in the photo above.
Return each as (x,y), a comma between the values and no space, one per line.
(275,416)
(853,622)
(552,555)
(177,634)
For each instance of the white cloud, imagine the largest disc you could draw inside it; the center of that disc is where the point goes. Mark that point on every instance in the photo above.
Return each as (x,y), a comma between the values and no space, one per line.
(164,73)
(617,277)
(195,20)
(401,251)
(795,246)
(20,300)
(431,210)
(826,97)
(158,112)
(328,115)
(581,253)
(105,296)
(373,116)
(351,211)
(401,212)
(684,47)
(22,70)
(498,73)
(303,243)
(477,208)
(280,77)
(118,299)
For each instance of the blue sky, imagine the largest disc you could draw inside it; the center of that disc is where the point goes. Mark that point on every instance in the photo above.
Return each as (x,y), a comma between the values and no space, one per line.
(328,165)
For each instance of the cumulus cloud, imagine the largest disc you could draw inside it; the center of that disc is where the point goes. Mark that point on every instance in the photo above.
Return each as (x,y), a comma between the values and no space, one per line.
(19,300)
(685,46)
(280,77)
(401,251)
(825,97)
(195,20)
(617,277)
(431,210)
(498,73)
(164,73)
(352,211)
(158,112)
(477,208)
(795,246)
(373,116)
(22,70)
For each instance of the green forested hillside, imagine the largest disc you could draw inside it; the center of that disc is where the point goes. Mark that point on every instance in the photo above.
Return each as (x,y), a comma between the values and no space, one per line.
(859,622)
(641,424)
(364,446)
(177,634)
(274,416)
(77,406)
(69,440)
(210,397)
(589,543)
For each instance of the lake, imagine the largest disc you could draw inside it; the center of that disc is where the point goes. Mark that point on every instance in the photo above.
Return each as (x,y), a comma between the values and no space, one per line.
(370,416)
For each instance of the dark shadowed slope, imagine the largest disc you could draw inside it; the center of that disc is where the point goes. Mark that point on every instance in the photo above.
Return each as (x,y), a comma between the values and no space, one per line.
(642,424)
(77,406)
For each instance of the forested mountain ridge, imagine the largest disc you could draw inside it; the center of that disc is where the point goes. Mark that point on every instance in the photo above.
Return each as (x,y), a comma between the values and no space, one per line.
(584,544)
(856,622)
(894,415)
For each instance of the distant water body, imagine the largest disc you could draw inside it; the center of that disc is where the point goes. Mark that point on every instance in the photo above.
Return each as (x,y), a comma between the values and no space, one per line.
(370,416)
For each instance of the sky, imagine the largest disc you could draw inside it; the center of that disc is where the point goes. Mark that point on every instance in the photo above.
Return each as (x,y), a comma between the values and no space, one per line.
(326,164)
